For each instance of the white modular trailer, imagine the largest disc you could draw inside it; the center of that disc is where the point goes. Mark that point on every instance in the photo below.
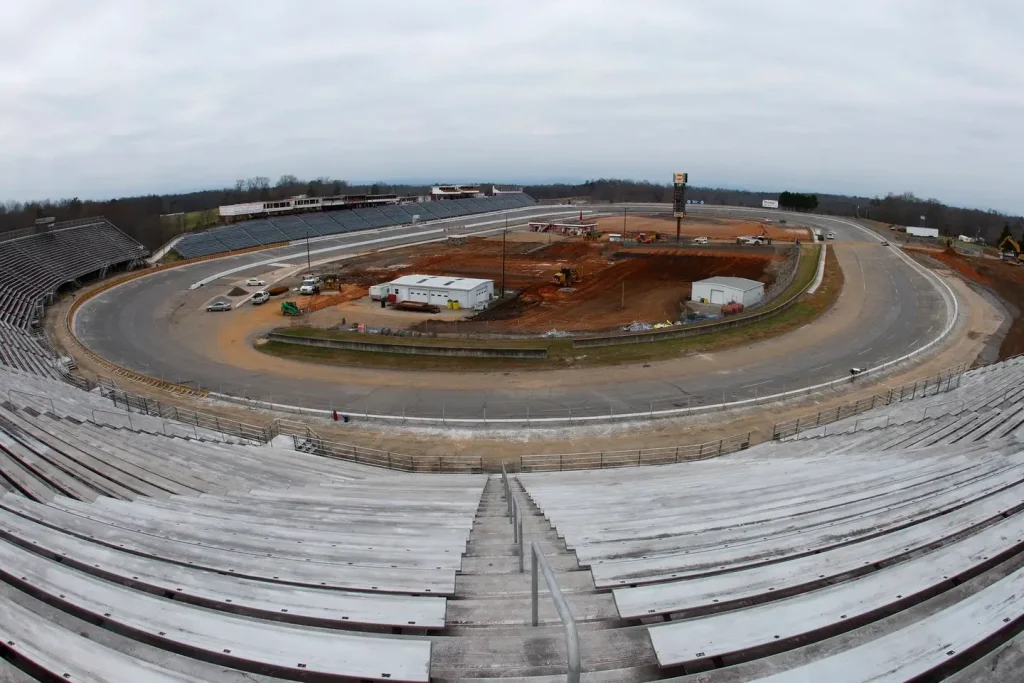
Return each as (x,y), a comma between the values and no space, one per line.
(726,290)
(769,203)
(922,232)
(440,289)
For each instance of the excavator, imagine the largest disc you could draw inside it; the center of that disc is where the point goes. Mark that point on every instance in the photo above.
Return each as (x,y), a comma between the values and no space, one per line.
(566,277)
(1009,250)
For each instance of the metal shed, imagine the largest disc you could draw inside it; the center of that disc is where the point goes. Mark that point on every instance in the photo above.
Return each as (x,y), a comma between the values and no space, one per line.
(440,289)
(724,290)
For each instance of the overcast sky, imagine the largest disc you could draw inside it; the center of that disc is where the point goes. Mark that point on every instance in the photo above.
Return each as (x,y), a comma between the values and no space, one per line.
(105,98)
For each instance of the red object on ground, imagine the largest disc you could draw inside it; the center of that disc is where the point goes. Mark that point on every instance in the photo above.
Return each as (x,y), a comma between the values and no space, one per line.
(335,415)
(732,308)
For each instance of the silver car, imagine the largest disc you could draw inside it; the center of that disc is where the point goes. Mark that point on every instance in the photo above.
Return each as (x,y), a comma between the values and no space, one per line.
(219,306)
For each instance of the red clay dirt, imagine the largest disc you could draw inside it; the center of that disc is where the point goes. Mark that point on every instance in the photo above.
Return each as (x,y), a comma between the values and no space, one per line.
(1005,279)
(655,280)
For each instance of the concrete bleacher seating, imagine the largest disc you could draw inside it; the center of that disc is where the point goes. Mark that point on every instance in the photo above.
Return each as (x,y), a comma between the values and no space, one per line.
(261,232)
(815,559)
(21,351)
(886,551)
(33,266)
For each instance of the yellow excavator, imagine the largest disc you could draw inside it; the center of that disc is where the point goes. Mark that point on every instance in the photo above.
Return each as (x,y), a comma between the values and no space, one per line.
(566,277)
(1009,250)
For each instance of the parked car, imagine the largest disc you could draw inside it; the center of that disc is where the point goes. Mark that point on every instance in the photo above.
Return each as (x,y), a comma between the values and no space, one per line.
(260,297)
(830,235)
(700,240)
(309,289)
(255,282)
(217,306)
(885,243)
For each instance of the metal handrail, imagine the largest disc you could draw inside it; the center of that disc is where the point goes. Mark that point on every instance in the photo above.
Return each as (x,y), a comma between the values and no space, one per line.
(34,396)
(572,637)
(110,412)
(515,514)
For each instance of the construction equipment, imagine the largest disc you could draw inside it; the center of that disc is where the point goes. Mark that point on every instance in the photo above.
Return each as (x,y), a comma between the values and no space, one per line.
(566,277)
(290,308)
(644,238)
(764,236)
(1009,249)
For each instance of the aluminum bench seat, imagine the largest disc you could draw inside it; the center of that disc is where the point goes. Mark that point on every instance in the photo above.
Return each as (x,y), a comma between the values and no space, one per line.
(243,642)
(228,593)
(768,582)
(268,567)
(923,647)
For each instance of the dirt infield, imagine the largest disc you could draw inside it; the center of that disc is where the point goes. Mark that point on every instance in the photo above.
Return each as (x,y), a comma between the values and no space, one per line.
(617,287)
(715,229)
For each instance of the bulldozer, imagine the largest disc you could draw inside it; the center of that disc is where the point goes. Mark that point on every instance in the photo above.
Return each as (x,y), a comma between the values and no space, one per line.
(566,277)
(1009,250)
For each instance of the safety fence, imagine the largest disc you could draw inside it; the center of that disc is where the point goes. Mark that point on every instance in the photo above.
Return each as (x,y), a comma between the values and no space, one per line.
(636,457)
(944,381)
(443,464)
(213,423)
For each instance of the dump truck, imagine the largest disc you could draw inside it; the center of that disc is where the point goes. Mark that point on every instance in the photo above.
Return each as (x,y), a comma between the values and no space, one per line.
(290,308)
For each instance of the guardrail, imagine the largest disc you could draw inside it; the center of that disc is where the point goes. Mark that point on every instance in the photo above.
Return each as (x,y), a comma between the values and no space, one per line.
(636,457)
(906,392)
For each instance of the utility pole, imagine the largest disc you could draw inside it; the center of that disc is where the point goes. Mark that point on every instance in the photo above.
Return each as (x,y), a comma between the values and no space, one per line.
(307,250)
(623,295)
(503,234)
(625,236)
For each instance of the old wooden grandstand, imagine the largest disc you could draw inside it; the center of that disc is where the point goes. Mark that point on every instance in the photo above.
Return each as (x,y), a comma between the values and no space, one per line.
(133,547)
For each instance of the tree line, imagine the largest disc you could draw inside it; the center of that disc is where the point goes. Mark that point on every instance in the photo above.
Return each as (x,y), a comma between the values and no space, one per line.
(154,219)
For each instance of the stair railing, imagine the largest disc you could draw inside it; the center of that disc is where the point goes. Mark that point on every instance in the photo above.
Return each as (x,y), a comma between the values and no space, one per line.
(572,636)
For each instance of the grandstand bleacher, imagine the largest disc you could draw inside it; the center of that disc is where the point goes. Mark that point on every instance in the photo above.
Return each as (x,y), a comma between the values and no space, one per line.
(35,264)
(278,229)
(889,549)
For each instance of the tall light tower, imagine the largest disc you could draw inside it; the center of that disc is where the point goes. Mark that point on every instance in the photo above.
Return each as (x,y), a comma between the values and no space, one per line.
(679,181)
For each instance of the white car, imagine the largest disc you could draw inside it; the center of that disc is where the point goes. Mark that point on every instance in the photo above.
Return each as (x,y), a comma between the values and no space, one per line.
(309,289)
(255,282)
(260,297)
(831,235)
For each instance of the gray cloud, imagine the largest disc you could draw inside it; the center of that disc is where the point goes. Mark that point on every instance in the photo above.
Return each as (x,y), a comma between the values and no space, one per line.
(115,97)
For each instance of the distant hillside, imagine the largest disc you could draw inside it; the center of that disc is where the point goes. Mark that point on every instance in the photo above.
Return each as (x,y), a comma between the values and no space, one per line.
(141,217)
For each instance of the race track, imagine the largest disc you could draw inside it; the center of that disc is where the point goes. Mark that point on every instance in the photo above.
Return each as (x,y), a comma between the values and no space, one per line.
(892,308)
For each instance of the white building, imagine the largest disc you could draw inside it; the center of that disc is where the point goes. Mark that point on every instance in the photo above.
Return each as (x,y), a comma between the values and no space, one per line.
(922,232)
(725,290)
(440,289)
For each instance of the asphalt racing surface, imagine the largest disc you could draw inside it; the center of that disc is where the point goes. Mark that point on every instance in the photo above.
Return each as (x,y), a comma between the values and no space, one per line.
(900,310)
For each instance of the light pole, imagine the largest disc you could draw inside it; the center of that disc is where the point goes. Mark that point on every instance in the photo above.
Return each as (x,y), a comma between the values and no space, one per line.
(307,251)
(503,234)
(624,210)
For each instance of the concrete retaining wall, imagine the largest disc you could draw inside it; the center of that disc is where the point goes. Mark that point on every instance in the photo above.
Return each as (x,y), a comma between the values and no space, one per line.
(411,349)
